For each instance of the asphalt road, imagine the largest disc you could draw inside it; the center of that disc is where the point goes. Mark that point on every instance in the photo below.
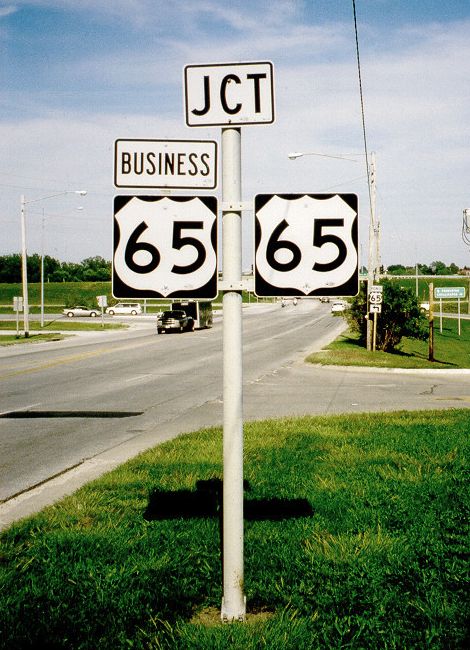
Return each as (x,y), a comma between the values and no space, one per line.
(73,409)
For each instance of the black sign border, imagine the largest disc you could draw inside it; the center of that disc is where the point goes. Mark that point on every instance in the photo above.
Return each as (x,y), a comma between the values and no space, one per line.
(122,291)
(264,289)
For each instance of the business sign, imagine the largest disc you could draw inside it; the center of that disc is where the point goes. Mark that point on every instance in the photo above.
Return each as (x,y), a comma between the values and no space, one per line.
(180,164)
(306,245)
(228,94)
(449,292)
(165,247)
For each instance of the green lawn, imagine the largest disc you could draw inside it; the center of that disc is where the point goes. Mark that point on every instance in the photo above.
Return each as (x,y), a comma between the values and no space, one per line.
(450,350)
(50,330)
(355,537)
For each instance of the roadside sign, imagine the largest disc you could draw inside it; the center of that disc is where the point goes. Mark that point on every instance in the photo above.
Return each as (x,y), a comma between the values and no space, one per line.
(18,303)
(306,245)
(165,247)
(165,164)
(449,292)
(376,288)
(227,94)
(377,309)
(102,301)
(375,298)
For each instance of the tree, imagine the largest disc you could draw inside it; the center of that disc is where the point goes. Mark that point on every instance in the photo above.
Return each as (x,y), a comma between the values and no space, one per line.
(401,316)
(396,269)
(10,268)
(96,269)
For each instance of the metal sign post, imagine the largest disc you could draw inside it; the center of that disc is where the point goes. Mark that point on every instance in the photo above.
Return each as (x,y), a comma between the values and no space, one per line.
(17,306)
(431,323)
(233,602)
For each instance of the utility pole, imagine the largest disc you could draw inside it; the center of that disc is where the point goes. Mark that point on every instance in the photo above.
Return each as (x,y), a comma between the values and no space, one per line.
(24,269)
(373,245)
(431,323)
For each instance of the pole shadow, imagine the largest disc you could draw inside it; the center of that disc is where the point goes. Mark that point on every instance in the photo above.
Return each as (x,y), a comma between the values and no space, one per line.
(206,502)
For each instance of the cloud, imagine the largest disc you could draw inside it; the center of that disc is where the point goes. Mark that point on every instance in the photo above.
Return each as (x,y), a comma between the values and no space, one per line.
(417,107)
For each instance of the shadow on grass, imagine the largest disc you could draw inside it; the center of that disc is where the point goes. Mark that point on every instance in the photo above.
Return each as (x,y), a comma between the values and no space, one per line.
(206,501)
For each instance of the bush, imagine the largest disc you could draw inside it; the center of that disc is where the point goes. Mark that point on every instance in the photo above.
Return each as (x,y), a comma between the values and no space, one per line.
(401,316)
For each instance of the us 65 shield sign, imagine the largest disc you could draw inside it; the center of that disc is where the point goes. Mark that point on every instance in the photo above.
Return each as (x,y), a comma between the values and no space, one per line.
(165,247)
(306,245)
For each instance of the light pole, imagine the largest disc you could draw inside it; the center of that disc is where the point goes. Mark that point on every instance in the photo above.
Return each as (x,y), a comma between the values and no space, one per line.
(24,258)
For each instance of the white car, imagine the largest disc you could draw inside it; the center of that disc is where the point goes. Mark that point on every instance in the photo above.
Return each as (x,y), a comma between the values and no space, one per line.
(129,308)
(338,306)
(80,311)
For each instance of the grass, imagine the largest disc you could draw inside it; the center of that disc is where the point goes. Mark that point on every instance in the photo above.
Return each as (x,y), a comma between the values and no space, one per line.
(12,339)
(450,350)
(40,334)
(57,295)
(355,537)
(63,325)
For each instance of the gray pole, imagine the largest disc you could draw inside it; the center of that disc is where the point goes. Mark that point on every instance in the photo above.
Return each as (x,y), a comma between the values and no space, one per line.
(233,602)
(371,270)
(24,269)
(42,270)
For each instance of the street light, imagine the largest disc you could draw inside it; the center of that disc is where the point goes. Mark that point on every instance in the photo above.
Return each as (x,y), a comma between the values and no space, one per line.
(24,267)
(299,154)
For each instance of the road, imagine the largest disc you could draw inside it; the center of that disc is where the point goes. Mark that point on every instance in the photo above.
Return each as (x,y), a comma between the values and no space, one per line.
(75,408)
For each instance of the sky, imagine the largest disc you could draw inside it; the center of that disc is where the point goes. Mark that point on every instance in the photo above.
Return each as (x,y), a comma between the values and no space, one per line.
(76,75)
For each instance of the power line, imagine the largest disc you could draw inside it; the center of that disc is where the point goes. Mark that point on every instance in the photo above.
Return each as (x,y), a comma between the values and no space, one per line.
(362,107)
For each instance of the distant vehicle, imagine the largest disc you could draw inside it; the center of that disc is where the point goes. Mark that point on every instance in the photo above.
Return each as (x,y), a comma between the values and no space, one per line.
(324,299)
(338,306)
(175,320)
(199,311)
(129,308)
(80,311)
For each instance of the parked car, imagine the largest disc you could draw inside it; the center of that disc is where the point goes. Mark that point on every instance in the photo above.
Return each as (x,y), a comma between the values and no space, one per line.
(175,320)
(80,311)
(129,308)
(338,306)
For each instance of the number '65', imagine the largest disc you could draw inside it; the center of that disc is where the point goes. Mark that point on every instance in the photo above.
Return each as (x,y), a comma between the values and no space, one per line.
(276,244)
(178,241)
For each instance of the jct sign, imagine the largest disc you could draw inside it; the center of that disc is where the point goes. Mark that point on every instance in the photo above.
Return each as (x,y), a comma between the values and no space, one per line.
(306,245)
(165,247)
(229,94)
